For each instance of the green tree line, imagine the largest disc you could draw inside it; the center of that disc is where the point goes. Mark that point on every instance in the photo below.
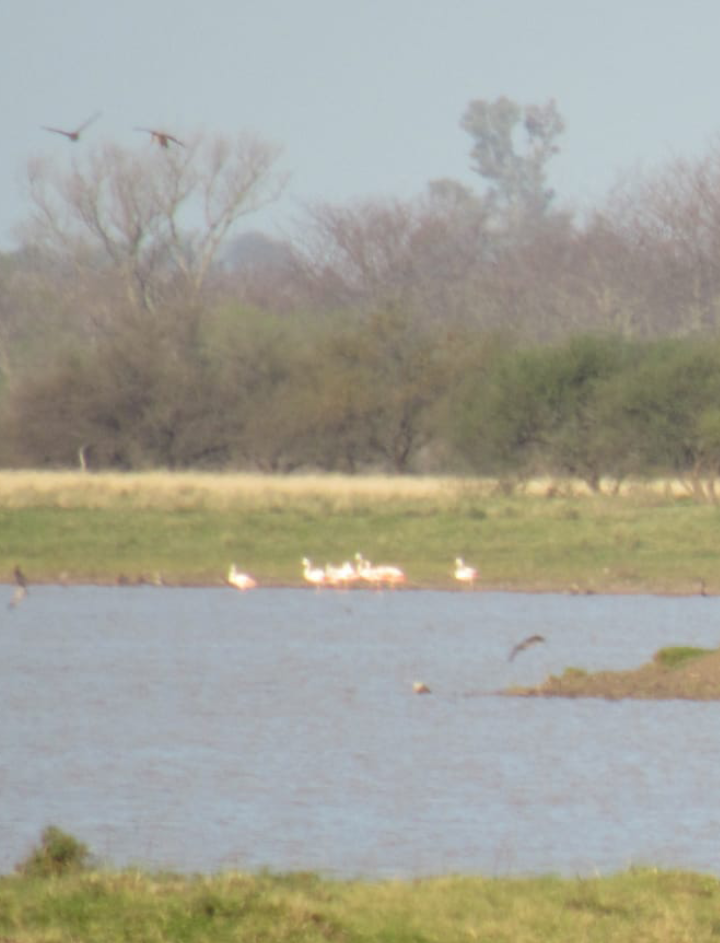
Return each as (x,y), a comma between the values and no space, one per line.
(250,392)
(487,331)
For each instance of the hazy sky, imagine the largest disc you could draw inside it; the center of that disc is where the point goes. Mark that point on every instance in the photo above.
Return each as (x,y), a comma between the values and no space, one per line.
(365,97)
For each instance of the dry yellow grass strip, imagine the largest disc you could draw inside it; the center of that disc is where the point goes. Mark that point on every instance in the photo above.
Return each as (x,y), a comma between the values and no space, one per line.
(191,489)
(28,488)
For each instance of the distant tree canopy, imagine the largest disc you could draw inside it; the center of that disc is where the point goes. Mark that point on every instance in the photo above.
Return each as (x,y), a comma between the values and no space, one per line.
(513,145)
(482,331)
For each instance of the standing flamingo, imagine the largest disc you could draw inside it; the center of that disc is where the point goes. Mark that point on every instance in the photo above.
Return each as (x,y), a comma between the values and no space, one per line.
(340,575)
(240,580)
(366,571)
(463,573)
(377,575)
(313,575)
(390,575)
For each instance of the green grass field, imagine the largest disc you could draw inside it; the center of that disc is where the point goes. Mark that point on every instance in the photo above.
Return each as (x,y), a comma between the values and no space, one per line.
(189,528)
(639,905)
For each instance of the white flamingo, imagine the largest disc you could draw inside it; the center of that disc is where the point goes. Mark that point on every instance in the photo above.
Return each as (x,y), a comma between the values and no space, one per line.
(366,571)
(390,575)
(240,580)
(340,575)
(463,573)
(313,575)
(377,575)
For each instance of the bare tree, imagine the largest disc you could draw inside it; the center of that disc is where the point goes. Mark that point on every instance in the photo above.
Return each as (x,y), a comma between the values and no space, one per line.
(655,246)
(356,254)
(149,224)
(422,253)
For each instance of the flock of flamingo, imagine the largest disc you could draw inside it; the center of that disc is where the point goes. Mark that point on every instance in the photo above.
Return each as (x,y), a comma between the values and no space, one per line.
(363,571)
(360,572)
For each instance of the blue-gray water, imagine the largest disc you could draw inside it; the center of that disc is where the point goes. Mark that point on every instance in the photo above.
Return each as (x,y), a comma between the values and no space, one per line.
(207,729)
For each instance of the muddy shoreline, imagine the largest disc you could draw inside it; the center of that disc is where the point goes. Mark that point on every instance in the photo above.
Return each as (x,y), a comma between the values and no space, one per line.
(534,588)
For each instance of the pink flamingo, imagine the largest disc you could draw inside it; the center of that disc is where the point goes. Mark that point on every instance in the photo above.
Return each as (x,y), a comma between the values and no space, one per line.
(313,575)
(241,581)
(378,575)
(340,575)
(390,575)
(463,573)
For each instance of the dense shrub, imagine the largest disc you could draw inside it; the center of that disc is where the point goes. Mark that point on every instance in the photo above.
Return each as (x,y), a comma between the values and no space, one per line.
(358,393)
(58,853)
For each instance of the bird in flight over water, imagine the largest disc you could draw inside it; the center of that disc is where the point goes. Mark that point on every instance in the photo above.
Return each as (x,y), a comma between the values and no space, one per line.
(162,137)
(73,135)
(526,643)
(20,588)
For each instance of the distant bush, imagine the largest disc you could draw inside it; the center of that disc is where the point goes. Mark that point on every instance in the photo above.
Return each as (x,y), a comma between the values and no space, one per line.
(677,655)
(572,674)
(58,853)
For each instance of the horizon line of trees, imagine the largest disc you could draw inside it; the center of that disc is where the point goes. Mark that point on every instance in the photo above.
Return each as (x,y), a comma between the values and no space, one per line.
(590,407)
(482,331)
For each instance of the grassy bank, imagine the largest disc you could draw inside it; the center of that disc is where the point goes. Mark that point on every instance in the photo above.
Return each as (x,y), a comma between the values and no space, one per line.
(93,906)
(188,528)
(677,672)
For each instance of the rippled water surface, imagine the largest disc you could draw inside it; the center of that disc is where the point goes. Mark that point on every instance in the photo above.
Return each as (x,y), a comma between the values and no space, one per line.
(206,729)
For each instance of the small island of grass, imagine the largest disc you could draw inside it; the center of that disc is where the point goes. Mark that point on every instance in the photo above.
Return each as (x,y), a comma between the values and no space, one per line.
(676,672)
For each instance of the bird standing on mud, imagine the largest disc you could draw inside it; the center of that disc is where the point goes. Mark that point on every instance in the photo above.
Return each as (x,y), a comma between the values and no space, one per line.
(20,588)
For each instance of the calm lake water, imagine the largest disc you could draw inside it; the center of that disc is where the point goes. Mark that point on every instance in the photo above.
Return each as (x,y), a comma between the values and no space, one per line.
(201,730)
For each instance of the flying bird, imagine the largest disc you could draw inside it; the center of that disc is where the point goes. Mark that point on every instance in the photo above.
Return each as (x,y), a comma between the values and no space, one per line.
(20,588)
(162,137)
(73,135)
(526,643)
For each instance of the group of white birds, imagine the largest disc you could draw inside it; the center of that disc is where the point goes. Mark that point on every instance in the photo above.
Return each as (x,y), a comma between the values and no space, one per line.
(343,576)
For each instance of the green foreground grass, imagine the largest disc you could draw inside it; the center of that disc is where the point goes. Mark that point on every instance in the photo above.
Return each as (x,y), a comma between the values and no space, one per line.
(187,530)
(638,905)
